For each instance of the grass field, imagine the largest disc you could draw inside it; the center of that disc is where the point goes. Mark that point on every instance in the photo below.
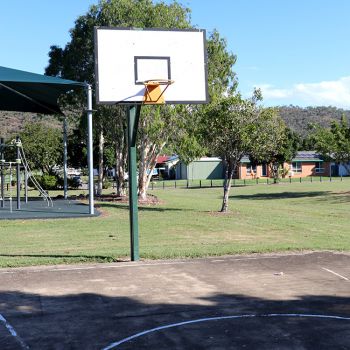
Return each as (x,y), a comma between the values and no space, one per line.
(262,218)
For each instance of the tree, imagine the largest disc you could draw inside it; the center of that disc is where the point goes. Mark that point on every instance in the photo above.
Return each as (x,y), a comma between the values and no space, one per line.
(221,77)
(274,143)
(228,126)
(189,141)
(42,146)
(334,143)
(234,127)
(76,60)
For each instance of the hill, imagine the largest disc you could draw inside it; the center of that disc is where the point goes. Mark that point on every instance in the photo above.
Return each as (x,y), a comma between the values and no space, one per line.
(298,118)
(11,123)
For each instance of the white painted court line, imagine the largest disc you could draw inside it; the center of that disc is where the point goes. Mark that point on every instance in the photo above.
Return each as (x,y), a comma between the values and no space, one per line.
(336,274)
(208,319)
(13,333)
(135,264)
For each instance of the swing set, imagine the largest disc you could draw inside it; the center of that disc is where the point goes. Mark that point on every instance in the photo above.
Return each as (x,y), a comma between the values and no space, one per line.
(11,169)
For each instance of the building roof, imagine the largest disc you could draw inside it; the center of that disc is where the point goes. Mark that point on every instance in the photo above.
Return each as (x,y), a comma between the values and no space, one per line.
(301,156)
(29,92)
(307,156)
(162,159)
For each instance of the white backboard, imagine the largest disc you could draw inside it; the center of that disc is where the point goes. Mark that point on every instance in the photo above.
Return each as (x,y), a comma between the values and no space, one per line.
(126,57)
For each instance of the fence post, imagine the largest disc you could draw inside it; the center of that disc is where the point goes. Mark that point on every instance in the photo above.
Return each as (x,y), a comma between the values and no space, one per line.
(311,178)
(187,183)
(175,183)
(152,185)
(300,179)
(320,178)
(267,181)
(200,183)
(341,177)
(163,185)
(211,183)
(257,181)
(244,182)
(330,179)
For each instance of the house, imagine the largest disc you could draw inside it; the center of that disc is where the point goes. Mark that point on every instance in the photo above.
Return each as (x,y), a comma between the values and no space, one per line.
(246,170)
(169,167)
(308,163)
(340,169)
(165,166)
(305,163)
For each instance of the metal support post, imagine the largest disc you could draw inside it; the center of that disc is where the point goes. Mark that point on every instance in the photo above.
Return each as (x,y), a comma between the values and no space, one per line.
(26,184)
(2,179)
(18,173)
(133,116)
(65,182)
(90,150)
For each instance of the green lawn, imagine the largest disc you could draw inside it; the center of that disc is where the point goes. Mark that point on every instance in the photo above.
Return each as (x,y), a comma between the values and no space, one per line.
(262,218)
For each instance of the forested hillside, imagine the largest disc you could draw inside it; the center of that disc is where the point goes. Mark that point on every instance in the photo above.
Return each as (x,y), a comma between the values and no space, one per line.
(298,118)
(12,122)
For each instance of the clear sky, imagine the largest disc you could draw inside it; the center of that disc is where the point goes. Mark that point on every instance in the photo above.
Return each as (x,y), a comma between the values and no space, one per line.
(296,51)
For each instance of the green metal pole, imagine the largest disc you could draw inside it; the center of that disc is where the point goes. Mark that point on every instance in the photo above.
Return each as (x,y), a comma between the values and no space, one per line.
(133,121)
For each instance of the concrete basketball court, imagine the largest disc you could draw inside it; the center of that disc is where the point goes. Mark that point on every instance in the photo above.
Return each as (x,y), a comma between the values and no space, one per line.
(294,301)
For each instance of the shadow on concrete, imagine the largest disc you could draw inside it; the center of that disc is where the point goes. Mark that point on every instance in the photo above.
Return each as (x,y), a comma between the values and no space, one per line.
(94,321)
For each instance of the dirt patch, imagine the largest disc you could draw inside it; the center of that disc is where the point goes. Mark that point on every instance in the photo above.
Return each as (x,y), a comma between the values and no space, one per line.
(150,200)
(219,213)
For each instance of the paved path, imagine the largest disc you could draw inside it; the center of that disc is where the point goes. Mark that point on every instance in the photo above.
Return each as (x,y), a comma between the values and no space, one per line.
(296,301)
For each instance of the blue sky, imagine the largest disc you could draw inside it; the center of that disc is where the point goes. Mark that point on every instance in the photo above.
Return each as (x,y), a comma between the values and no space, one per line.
(296,51)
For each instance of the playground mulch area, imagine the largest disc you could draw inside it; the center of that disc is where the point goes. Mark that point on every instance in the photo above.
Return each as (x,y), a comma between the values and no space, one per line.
(268,301)
(37,208)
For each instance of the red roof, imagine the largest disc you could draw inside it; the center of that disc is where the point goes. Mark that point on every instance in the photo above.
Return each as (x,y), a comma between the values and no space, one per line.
(162,159)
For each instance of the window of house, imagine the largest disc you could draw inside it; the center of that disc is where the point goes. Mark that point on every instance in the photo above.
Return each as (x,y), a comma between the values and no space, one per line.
(251,169)
(296,167)
(319,168)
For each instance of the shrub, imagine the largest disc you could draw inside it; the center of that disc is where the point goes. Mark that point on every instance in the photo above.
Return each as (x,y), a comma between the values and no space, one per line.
(74,182)
(47,182)
(106,184)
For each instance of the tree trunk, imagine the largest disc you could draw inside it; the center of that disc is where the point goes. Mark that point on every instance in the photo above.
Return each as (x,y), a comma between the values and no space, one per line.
(120,166)
(100,163)
(227,186)
(148,161)
(143,165)
(274,172)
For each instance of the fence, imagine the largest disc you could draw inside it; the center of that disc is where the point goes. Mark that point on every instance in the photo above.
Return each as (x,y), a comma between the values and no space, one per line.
(164,184)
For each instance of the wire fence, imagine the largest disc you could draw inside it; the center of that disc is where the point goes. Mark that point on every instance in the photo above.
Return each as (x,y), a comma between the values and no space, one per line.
(167,184)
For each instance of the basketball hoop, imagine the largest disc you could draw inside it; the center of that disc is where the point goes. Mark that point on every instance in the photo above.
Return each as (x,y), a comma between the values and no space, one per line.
(154,94)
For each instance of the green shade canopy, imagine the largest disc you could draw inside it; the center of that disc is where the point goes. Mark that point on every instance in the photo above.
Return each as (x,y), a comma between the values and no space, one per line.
(29,92)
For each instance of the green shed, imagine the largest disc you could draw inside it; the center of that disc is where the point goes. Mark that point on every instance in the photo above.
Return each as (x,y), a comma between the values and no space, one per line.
(200,169)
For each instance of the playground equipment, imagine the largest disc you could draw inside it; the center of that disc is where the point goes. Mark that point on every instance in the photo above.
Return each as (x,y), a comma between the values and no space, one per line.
(7,169)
